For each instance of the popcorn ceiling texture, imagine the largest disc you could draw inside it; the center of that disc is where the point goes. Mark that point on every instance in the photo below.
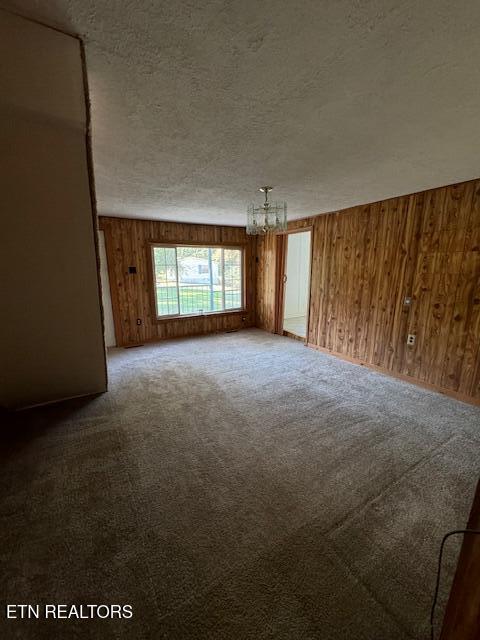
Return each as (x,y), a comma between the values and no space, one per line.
(196,104)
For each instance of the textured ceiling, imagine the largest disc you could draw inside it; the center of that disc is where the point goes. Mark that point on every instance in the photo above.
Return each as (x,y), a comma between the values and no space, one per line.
(196,104)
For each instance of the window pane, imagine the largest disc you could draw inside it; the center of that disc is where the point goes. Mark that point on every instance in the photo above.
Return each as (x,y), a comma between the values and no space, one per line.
(195,280)
(165,280)
(233,278)
(200,279)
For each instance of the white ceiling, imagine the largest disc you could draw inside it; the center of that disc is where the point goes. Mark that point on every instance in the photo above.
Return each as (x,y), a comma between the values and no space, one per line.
(195,104)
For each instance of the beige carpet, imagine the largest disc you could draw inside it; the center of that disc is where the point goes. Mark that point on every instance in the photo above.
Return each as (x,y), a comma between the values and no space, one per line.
(236,486)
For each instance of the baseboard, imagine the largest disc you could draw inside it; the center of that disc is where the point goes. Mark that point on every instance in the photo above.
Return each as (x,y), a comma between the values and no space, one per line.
(294,336)
(90,394)
(197,334)
(400,376)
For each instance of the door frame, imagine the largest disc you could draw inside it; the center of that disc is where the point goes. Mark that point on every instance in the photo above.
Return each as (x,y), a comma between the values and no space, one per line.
(281,259)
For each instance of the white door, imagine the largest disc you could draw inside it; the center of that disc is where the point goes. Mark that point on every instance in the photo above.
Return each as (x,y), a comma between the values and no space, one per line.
(110,340)
(297,284)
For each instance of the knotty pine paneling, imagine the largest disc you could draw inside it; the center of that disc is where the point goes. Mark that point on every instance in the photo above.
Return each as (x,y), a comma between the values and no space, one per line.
(368,258)
(127,244)
(266,282)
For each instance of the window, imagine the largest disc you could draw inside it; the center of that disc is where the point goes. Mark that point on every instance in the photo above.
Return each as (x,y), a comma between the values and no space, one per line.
(194,280)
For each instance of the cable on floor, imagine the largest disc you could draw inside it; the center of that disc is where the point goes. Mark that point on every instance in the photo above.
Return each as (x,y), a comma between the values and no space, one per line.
(439,569)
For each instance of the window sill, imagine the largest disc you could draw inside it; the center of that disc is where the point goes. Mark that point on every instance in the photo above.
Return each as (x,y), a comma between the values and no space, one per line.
(208,314)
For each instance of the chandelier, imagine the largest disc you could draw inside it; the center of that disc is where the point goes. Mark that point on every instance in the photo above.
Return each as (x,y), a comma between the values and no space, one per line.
(270,217)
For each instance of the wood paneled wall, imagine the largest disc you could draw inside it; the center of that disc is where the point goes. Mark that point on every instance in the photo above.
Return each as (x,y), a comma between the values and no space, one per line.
(367,259)
(128,244)
(265,299)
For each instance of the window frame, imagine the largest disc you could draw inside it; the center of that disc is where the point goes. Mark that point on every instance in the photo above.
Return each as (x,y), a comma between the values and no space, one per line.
(217,245)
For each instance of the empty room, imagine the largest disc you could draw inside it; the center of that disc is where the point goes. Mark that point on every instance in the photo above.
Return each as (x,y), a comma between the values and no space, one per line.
(240,381)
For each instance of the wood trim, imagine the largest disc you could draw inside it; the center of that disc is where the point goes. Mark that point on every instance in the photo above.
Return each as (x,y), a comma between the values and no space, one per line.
(309,283)
(244,279)
(280,307)
(462,614)
(293,336)
(93,194)
(400,376)
(161,319)
(226,245)
(184,336)
(280,257)
(112,219)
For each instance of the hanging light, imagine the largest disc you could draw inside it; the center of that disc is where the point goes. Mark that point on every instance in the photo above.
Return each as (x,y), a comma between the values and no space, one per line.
(270,217)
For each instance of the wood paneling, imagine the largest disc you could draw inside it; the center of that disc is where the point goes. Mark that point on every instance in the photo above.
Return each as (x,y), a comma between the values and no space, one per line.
(367,259)
(266,290)
(128,244)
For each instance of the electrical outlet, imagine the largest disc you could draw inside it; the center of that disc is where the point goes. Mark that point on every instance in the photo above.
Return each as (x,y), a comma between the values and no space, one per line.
(139,321)
(411,339)
(407,301)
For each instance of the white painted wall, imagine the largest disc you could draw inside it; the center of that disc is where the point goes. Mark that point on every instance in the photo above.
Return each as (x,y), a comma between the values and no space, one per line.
(52,344)
(298,275)
(109,327)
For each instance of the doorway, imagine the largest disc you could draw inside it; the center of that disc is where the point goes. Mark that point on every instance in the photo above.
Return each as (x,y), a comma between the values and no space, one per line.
(296,296)
(109,327)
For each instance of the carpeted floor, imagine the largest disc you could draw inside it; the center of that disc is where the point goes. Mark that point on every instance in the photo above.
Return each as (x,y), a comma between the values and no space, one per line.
(236,486)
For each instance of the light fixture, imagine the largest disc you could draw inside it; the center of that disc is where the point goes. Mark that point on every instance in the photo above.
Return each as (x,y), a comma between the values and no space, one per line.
(270,217)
